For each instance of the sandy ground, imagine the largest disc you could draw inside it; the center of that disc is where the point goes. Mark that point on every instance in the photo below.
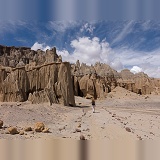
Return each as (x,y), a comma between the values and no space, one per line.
(123,115)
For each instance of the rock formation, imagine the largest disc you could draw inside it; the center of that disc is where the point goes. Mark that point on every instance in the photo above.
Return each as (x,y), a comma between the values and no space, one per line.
(98,80)
(93,81)
(44,78)
(40,77)
(139,83)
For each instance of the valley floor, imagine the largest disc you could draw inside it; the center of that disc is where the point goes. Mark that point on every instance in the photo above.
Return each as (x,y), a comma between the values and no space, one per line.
(122,116)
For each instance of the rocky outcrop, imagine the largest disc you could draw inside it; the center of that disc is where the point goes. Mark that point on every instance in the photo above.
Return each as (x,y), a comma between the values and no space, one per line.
(98,80)
(7,50)
(13,56)
(93,81)
(40,77)
(39,127)
(47,83)
(139,83)
(51,82)
(39,83)
(13,130)
(15,86)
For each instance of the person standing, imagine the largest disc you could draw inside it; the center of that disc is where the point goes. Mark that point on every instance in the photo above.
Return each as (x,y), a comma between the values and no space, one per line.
(93,104)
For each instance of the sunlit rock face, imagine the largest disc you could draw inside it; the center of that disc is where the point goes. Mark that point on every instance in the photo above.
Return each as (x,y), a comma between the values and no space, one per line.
(98,80)
(43,78)
(93,81)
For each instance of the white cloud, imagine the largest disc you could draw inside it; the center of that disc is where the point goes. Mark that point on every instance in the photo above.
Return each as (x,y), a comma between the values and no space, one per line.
(10,26)
(88,28)
(62,26)
(146,25)
(93,50)
(147,61)
(151,69)
(37,46)
(47,47)
(90,51)
(126,30)
(65,55)
(136,69)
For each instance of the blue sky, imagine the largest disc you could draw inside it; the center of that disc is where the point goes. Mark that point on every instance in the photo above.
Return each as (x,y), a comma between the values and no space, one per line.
(119,33)
(121,44)
(137,35)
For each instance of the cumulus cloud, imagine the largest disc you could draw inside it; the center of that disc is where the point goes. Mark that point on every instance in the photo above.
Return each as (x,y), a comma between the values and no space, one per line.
(37,46)
(90,51)
(151,69)
(147,61)
(136,69)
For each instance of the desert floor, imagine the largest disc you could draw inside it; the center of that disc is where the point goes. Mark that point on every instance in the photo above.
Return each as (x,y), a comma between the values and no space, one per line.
(123,115)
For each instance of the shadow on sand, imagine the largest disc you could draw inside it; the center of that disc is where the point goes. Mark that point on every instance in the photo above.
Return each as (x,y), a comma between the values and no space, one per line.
(83,106)
(96,112)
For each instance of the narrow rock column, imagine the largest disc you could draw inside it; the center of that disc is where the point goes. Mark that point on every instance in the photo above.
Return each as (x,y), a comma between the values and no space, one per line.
(64,78)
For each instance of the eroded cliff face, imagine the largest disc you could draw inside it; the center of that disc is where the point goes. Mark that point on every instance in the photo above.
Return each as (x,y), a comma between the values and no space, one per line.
(21,56)
(98,80)
(51,82)
(93,81)
(40,77)
(46,83)
(40,80)
(139,83)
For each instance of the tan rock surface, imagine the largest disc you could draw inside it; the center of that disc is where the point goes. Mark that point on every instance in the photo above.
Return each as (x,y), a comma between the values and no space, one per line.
(27,129)
(1,123)
(39,127)
(38,76)
(13,130)
(46,130)
(100,79)
(47,83)
(21,133)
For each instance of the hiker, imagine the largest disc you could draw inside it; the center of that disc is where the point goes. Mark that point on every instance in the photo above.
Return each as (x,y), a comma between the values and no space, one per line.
(93,105)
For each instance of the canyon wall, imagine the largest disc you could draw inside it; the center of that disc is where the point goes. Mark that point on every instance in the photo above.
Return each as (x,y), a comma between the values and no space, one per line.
(98,80)
(40,77)
(44,78)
